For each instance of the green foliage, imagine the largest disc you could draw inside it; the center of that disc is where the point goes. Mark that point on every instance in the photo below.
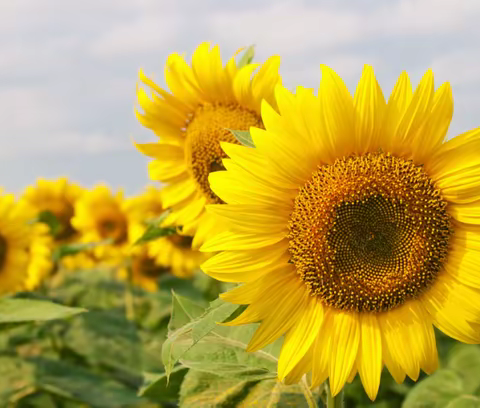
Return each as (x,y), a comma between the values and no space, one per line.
(247,57)
(456,385)
(243,136)
(72,249)
(155,230)
(49,218)
(222,373)
(22,310)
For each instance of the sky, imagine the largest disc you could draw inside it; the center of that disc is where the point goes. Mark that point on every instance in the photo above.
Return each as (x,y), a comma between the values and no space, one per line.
(68,69)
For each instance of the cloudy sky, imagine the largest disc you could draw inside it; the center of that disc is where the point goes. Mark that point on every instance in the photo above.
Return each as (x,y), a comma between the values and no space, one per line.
(68,69)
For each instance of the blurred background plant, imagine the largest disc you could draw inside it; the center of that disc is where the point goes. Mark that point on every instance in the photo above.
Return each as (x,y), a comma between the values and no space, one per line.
(150,337)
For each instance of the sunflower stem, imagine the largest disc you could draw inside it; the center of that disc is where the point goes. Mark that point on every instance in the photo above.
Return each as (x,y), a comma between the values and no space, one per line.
(129,298)
(334,401)
(311,401)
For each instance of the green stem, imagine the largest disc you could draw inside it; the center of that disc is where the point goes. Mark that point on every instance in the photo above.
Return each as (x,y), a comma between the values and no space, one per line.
(334,401)
(311,402)
(129,297)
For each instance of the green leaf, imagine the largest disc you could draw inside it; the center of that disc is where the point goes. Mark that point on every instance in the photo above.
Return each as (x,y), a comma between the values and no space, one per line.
(183,312)
(158,388)
(49,218)
(465,401)
(22,310)
(243,136)
(72,249)
(247,57)
(181,340)
(465,360)
(107,339)
(209,390)
(435,391)
(157,221)
(73,382)
(153,232)
(17,378)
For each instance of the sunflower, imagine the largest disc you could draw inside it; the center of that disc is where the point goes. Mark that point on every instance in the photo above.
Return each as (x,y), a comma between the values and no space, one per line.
(206,100)
(355,228)
(24,246)
(100,216)
(172,253)
(58,197)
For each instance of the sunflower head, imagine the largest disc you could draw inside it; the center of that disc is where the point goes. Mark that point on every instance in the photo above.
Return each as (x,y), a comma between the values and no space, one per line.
(354,227)
(206,99)
(100,216)
(59,198)
(24,246)
(173,253)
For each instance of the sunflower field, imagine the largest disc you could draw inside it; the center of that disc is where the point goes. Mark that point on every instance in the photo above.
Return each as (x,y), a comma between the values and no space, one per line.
(306,248)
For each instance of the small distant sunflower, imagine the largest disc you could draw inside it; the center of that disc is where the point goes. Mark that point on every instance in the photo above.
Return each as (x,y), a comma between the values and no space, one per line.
(206,100)
(172,253)
(355,227)
(24,247)
(99,216)
(58,197)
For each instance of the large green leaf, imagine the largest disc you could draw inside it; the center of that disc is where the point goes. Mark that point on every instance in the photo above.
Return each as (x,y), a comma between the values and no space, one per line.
(436,391)
(200,389)
(465,360)
(76,383)
(179,341)
(465,401)
(106,338)
(17,378)
(22,310)
(158,387)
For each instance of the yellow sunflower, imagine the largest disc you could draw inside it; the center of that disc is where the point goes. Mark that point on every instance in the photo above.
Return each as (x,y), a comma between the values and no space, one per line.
(172,253)
(58,197)
(206,100)
(99,216)
(24,246)
(355,228)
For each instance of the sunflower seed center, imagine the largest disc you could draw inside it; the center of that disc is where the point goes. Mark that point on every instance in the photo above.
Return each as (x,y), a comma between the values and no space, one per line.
(369,232)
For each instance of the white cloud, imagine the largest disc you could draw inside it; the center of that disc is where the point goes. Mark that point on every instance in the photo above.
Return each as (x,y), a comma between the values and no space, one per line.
(293,27)
(148,32)
(460,67)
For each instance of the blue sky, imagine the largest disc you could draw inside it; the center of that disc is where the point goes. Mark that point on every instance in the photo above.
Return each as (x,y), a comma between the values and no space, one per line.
(68,69)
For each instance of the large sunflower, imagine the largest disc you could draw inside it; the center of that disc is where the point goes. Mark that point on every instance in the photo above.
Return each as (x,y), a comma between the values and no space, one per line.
(170,254)
(100,216)
(58,197)
(355,227)
(206,100)
(24,246)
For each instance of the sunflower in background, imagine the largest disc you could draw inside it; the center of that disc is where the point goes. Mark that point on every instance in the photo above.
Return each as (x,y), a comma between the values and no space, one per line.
(354,227)
(57,197)
(206,100)
(172,254)
(100,216)
(25,246)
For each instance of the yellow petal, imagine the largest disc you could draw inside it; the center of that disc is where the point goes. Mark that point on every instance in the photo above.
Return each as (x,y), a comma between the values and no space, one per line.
(370,355)
(300,337)
(245,266)
(344,348)
(370,109)
(337,112)
(287,313)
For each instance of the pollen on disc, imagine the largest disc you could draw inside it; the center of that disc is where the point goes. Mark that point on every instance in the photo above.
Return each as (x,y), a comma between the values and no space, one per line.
(369,232)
